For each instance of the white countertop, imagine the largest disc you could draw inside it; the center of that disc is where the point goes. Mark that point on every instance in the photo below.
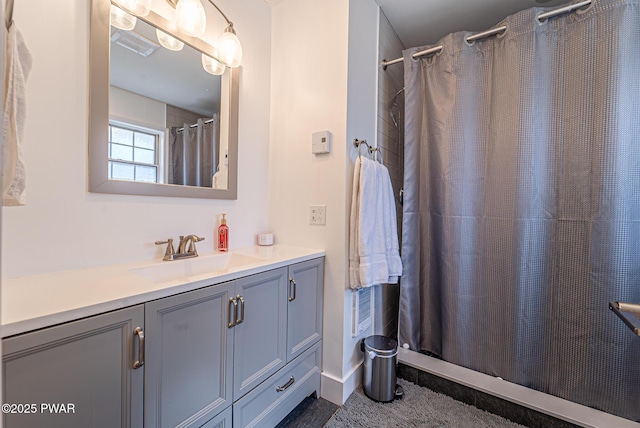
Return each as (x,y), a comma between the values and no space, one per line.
(38,301)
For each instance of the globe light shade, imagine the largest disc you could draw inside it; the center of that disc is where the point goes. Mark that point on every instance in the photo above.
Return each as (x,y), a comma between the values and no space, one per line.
(212,66)
(121,19)
(229,48)
(136,7)
(168,41)
(191,17)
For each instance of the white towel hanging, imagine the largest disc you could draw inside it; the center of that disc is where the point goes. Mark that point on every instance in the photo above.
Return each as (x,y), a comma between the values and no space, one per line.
(373,250)
(19,62)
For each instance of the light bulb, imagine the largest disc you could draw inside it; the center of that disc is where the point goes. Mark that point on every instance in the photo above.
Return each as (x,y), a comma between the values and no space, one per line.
(191,17)
(212,66)
(121,19)
(169,42)
(137,7)
(229,48)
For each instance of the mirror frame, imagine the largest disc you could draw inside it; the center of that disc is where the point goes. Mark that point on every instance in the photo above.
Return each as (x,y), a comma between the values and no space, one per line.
(99,56)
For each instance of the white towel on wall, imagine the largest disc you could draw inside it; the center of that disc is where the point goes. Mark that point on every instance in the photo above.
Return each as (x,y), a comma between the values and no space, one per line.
(394,263)
(373,244)
(19,61)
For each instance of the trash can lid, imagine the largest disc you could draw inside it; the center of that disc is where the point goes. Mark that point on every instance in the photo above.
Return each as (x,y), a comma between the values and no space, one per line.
(381,344)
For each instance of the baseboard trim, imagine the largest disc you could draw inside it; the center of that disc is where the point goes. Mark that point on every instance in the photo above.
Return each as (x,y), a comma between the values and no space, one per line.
(338,390)
(544,404)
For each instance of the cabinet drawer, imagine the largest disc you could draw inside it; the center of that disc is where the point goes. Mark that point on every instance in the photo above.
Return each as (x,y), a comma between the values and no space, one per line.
(270,402)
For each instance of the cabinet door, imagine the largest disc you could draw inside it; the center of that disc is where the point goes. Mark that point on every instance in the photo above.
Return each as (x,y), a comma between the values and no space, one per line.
(78,374)
(223,420)
(304,319)
(189,357)
(260,340)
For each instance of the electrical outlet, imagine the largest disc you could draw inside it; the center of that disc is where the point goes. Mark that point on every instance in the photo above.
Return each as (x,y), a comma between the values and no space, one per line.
(318,214)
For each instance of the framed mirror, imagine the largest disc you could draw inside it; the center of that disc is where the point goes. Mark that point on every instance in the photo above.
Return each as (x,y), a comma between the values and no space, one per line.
(159,124)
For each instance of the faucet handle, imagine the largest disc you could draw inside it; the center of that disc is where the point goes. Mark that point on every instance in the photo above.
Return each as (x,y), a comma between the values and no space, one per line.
(192,243)
(169,252)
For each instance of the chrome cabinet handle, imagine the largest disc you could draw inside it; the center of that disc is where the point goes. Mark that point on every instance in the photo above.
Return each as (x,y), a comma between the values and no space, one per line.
(139,333)
(286,385)
(240,320)
(233,310)
(292,282)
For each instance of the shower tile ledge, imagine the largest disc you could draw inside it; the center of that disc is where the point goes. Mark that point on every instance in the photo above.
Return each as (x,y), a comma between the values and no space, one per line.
(527,397)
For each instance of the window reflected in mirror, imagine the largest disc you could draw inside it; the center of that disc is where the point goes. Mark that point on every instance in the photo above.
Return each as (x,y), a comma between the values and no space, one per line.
(165,113)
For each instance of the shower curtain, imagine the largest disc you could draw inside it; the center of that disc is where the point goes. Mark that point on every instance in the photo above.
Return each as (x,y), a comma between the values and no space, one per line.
(193,153)
(522,204)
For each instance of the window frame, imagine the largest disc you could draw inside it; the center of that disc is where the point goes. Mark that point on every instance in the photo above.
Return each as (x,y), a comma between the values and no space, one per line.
(157,151)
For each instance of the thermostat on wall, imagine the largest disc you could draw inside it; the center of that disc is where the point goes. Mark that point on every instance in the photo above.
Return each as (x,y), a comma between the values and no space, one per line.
(321,142)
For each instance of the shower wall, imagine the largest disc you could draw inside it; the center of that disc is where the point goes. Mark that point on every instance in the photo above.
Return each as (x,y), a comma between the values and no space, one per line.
(177,116)
(391,140)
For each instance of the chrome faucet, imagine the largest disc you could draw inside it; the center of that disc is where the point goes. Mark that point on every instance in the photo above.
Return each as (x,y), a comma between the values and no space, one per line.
(184,252)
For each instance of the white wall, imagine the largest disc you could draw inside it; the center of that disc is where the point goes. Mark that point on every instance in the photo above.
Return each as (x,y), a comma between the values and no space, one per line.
(136,109)
(309,93)
(362,115)
(323,78)
(3,42)
(65,227)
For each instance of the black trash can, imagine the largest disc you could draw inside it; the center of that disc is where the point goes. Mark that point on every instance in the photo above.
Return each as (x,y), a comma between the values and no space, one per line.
(380,354)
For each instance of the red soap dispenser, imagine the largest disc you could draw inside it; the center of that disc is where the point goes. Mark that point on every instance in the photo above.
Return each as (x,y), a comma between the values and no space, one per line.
(223,235)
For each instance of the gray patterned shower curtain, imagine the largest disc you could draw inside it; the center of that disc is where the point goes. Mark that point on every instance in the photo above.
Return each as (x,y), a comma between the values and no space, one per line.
(521,216)
(193,153)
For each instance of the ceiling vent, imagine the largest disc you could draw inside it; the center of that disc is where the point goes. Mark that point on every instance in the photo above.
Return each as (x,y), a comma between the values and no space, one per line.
(134,42)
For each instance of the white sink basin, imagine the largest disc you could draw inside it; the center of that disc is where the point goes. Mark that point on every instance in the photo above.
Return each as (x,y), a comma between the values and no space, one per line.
(178,269)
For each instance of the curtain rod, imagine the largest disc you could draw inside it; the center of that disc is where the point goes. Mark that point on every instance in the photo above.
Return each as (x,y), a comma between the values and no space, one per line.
(194,125)
(494,31)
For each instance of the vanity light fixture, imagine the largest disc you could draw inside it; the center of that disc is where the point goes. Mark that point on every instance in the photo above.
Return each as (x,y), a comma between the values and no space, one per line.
(191,19)
(136,7)
(169,42)
(121,19)
(212,66)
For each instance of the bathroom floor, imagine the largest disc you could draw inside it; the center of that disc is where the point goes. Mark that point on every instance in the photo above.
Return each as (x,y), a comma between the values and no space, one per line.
(311,413)
(420,407)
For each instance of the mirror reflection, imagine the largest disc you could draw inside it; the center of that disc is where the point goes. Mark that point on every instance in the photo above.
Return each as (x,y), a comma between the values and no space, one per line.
(165,112)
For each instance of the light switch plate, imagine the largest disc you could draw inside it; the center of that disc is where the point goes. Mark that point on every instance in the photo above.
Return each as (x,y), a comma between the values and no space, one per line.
(318,215)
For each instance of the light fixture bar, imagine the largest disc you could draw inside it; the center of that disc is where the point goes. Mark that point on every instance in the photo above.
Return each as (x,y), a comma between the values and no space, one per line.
(174,4)
(221,13)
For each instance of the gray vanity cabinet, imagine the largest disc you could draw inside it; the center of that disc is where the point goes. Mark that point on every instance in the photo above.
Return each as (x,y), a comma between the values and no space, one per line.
(242,353)
(261,330)
(304,320)
(79,374)
(189,363)
(271,400)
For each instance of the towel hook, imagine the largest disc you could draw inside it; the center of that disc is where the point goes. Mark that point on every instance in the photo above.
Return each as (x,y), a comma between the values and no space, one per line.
(375,151)
(357,143)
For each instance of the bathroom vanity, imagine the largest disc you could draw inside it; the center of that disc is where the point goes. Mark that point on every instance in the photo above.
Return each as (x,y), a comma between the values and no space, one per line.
(165,344)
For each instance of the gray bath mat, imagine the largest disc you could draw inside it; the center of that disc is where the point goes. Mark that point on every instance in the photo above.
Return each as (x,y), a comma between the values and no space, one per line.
(420,407)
